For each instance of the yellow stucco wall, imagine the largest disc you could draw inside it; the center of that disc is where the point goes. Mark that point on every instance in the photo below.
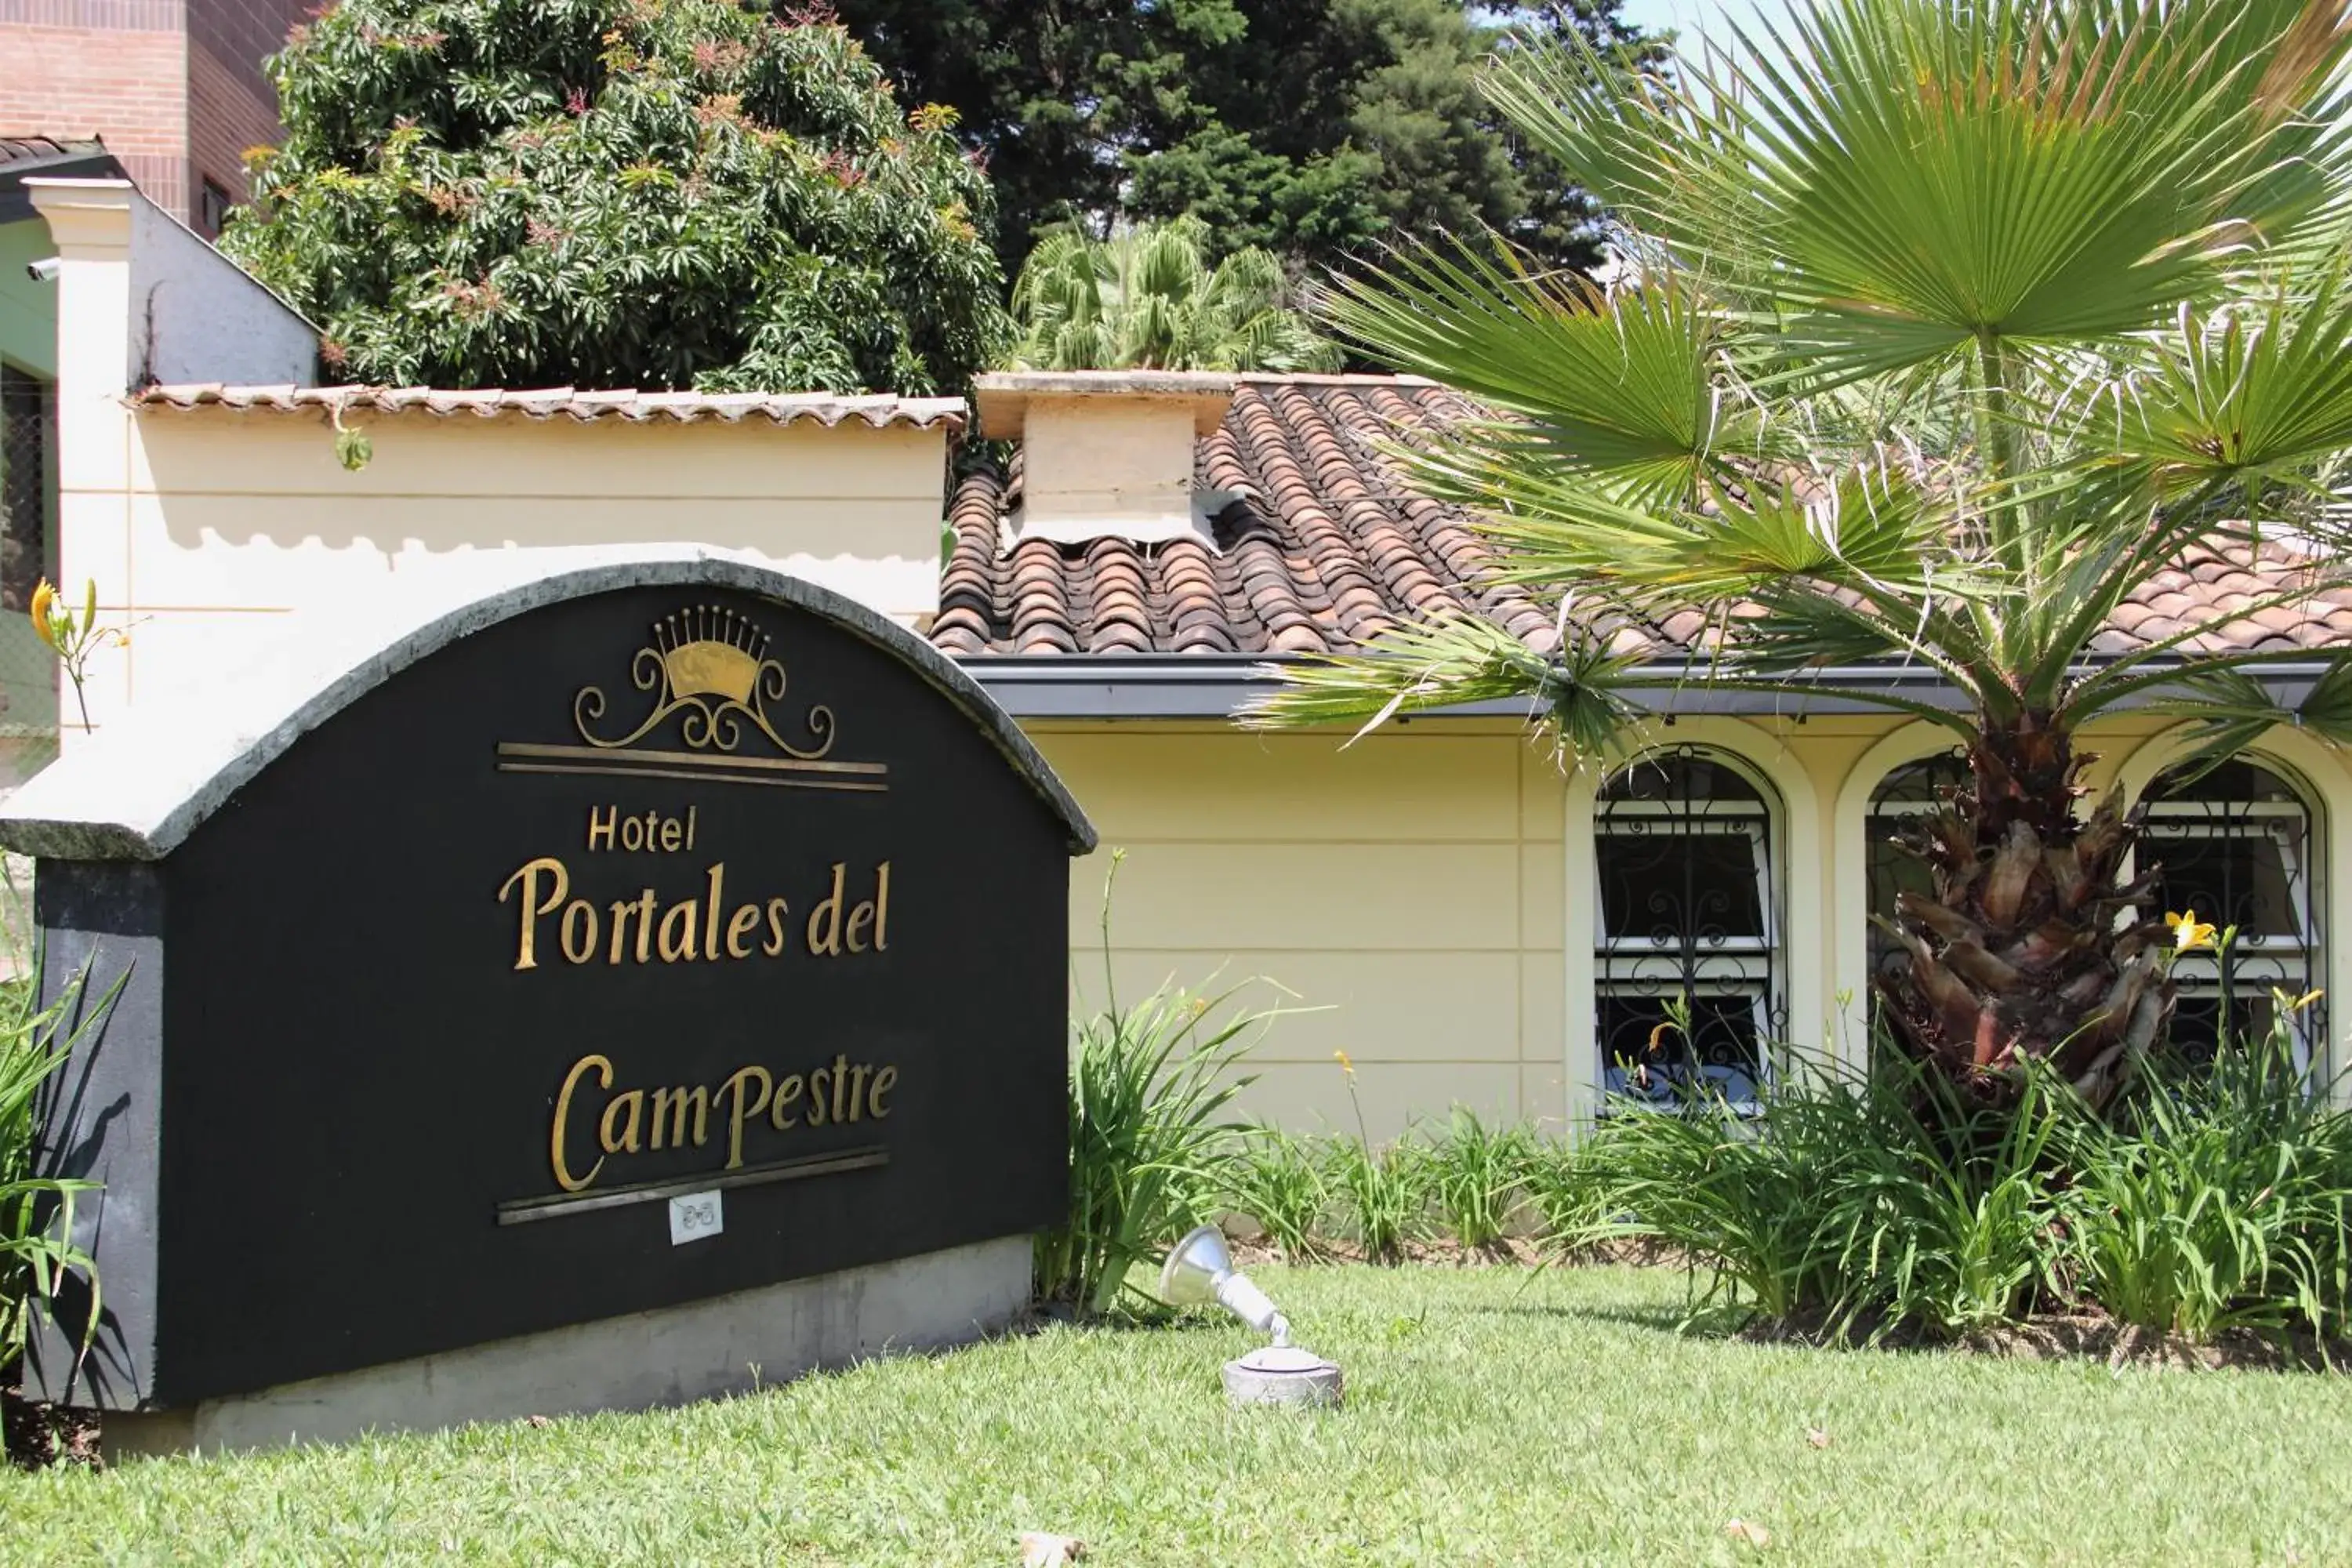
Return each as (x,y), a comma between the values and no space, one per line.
(1409,886)
(1429,891)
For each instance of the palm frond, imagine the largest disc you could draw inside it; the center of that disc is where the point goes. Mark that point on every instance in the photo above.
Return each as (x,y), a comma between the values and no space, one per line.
(1584,692)
(1622,387)
(1927,177)
(2228,708)
(2255,389)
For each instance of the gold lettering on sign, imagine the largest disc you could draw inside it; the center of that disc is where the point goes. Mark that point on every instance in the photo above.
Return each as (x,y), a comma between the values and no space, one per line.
(609,830)
(603,1068)
(679,929)
(826,923)
(559,883)
(675,1103)
(755,1102)
(738,1090)
(643,929)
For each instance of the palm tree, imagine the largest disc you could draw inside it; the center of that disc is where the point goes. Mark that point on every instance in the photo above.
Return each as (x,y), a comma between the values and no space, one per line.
(1946,326)
(1148,298)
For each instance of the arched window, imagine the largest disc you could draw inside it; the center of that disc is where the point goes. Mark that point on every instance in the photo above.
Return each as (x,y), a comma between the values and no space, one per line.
(1902,798)
(1687,908)
(2236,848)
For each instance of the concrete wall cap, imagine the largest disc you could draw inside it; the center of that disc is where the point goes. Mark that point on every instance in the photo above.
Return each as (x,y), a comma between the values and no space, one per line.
(137,789)
(1002,399)
(877,410)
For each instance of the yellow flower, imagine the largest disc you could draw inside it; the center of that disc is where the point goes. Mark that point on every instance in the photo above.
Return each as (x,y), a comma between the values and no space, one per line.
(2306,999)
(44,603)
(2189,932)
(1341,1058)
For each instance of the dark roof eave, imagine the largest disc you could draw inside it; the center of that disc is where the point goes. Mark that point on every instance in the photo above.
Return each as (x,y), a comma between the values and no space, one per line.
(77,164)
(1211,686)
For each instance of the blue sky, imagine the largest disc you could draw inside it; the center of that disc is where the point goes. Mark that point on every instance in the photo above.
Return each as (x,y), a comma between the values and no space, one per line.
(1700,16)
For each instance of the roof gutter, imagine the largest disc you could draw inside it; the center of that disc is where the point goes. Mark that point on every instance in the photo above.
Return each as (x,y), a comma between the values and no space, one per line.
(1141,687)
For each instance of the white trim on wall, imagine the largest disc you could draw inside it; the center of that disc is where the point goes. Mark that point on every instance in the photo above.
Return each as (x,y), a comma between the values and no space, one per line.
(1848,913)
(1798,857)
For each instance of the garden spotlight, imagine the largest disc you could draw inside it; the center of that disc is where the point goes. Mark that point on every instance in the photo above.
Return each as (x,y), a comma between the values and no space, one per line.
(1200,1270)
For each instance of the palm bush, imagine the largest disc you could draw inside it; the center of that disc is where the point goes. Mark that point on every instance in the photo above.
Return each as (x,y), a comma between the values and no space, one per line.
(1949,326)
(1149,299)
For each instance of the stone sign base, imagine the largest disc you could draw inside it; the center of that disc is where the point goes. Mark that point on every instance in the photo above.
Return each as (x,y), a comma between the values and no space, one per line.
(727,1344)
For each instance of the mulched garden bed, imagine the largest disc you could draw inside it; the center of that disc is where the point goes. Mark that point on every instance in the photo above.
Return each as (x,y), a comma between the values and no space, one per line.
(41,1434)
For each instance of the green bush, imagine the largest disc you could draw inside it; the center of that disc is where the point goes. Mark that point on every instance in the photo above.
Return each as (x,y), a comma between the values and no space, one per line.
(2206,1199)
(1744,1207)
(1850,1205)
(36,1250)
(1278,1179)
(1476,1174)
(1150,1145)
(1382,1193)
(1149,1141)
(1563,1185)
(2220,1200)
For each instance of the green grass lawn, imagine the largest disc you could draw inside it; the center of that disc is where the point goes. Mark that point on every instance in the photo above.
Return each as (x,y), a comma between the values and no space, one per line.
(1493,1416)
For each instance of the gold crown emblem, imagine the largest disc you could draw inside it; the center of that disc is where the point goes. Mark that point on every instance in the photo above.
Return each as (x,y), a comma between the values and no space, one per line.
(706,651)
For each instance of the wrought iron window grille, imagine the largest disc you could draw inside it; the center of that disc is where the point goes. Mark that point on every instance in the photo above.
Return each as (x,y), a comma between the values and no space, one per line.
(1688,915)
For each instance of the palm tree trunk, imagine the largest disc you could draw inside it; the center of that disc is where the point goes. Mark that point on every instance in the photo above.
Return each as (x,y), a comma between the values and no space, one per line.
(2030,946)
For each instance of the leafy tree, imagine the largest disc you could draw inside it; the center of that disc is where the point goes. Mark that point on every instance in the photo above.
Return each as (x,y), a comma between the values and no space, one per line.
(1308,127)
(1150,300)
(617,192)
(1986,314)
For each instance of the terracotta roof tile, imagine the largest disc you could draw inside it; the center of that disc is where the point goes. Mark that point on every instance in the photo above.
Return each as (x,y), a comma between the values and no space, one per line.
(1326,549)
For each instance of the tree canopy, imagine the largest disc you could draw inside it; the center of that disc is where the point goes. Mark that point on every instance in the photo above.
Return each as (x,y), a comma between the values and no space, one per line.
(617,192)
(1310,128)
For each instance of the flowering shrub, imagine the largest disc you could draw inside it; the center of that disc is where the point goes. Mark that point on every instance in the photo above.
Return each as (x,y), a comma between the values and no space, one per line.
(616,193)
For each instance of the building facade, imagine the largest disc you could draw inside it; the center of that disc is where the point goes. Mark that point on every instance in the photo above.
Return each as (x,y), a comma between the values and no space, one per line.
(1470,918)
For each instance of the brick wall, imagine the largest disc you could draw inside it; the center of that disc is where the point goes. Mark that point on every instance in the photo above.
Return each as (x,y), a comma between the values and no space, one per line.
(175,87)
(225,118)
(92,71)
(231,105)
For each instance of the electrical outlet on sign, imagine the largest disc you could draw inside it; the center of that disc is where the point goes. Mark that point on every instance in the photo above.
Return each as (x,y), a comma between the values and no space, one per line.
(695,1217)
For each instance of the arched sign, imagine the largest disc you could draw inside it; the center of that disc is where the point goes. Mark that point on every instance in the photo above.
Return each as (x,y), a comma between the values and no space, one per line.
(640,937)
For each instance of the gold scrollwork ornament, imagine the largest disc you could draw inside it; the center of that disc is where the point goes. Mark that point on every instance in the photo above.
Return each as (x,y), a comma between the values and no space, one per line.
(711,665)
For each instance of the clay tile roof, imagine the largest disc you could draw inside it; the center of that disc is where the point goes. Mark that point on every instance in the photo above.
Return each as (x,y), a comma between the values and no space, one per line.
(547,402)
(1327,548)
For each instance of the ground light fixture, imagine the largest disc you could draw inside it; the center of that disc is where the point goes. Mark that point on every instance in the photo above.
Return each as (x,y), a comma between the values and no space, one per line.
(1201,1270)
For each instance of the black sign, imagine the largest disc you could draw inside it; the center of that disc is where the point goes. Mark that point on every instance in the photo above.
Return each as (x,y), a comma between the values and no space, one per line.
(640,947)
